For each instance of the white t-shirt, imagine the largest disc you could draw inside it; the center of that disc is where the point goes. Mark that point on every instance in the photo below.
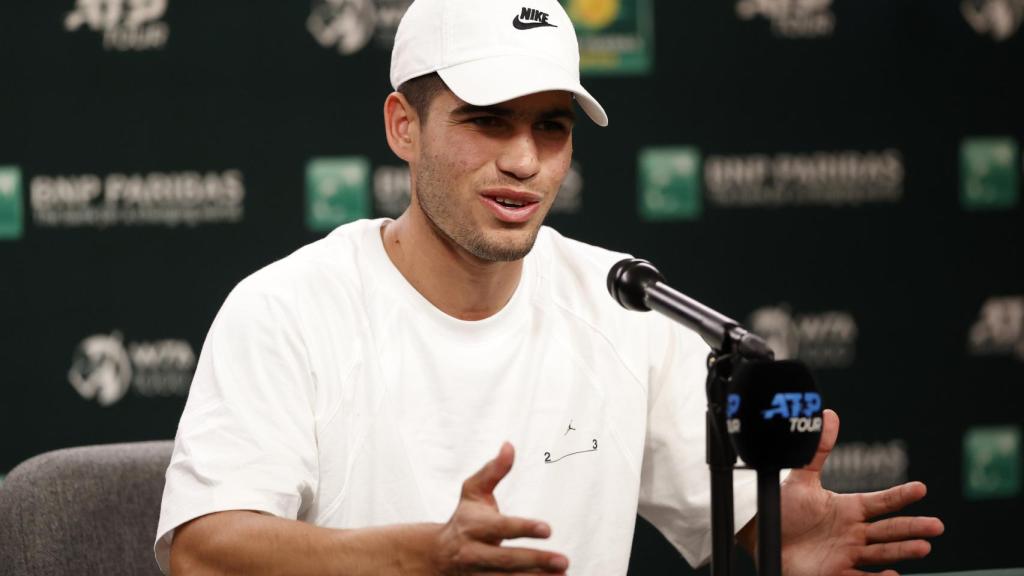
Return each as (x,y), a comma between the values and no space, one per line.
(330,391)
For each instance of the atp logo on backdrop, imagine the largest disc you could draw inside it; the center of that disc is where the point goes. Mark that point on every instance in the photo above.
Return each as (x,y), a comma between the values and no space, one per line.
(864,467)
(126,25)
(821,340)
(104,368)
(792,18)
(999,19)
(11,226)
(349,25)
(999,329)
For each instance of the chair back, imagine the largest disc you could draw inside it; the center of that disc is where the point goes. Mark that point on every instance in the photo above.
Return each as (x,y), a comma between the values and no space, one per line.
(85,510)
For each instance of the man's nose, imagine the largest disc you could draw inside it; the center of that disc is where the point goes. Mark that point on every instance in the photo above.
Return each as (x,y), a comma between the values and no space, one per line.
(519,156)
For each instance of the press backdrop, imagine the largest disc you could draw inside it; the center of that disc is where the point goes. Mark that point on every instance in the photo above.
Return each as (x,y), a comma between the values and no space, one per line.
(843,175)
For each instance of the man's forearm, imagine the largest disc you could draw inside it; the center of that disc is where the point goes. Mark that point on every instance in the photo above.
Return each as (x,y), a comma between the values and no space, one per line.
(243,542)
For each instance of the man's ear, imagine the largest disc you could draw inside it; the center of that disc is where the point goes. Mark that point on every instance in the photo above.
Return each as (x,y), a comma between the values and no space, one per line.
(401,126)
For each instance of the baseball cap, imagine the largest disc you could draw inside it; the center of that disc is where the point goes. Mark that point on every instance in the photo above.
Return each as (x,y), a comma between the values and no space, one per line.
(491,51)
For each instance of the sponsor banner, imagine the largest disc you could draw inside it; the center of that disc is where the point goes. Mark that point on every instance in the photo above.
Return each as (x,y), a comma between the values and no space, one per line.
(187,198)
(669,182)
(825,178)
(124,25)
(989,173)
(999,19)
(795,19)
(992,462)
(348,26)
(866,467)
(11,224)
(615,36)
(104,368)
(999,329)
(820,339)
(337,191)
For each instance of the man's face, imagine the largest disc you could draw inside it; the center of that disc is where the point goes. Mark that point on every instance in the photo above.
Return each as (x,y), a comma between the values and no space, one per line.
(486,177)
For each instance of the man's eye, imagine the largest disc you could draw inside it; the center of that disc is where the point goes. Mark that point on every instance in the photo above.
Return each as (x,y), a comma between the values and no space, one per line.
(485,121)
(552,126)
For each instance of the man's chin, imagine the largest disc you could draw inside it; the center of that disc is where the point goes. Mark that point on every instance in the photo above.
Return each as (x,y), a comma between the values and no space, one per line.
(504,246)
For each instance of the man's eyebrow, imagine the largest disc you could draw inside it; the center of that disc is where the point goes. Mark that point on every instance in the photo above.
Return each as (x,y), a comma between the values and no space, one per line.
(503,112)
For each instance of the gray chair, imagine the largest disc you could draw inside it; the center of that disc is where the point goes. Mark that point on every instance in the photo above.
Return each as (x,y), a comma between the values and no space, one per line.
(87,510)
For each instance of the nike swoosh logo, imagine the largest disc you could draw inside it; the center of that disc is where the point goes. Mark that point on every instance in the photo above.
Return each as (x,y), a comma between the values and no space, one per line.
(520,25)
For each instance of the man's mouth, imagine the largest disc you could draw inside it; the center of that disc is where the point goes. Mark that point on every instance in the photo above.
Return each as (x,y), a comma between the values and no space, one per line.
(511,206)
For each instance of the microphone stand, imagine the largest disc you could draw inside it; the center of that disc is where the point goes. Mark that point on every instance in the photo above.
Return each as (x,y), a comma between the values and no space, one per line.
(736,344)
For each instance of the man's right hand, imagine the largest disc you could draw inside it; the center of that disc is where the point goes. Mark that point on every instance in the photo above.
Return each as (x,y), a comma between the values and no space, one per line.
(470,543)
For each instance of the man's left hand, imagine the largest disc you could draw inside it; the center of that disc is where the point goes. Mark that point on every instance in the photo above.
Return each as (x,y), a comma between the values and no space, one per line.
(830,534)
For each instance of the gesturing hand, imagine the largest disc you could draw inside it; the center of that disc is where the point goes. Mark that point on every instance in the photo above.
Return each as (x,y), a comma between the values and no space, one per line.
(829,534)
(470,543)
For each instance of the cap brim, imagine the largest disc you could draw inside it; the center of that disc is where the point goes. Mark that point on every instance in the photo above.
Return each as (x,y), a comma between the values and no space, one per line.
(497,79)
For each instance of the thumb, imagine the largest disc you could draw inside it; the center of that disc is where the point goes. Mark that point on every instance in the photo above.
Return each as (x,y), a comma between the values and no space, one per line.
(481,485)
(829,433)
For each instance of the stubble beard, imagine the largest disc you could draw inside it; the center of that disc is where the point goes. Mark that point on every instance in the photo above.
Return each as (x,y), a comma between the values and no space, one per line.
(433,194)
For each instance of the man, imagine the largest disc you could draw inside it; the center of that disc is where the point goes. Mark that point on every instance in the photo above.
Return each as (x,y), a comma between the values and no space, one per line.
(345,392)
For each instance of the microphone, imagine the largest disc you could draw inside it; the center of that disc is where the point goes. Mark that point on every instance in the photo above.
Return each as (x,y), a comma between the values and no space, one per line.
(637,285)
(773,414)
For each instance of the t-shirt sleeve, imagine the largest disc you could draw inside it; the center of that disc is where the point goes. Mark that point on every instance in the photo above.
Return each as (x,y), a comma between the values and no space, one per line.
(675,486)
(246,439)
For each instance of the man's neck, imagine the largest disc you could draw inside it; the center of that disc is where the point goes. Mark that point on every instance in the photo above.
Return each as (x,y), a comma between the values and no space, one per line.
(456,282)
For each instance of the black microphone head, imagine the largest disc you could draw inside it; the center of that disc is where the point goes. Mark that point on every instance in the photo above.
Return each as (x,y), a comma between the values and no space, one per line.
(774,414)
(628,280)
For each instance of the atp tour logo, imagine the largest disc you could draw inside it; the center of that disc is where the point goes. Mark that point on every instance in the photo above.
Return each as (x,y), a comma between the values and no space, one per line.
(797,407)
(349,25)
(821,340)
(104,368)
(999,329)
(792,18)
(999,19)
(126,25)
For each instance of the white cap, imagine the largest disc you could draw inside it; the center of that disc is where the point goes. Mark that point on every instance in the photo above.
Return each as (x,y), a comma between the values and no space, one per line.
(491,51)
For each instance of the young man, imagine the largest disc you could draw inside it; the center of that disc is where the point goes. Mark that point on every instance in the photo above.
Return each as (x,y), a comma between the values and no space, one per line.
(346,392)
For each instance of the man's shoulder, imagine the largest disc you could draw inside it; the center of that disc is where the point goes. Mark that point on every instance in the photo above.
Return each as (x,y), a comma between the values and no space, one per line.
(573,276)
(575,256)
(331,262)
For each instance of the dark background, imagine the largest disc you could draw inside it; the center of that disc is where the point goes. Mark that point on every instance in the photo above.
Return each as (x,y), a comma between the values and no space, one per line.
(244,86)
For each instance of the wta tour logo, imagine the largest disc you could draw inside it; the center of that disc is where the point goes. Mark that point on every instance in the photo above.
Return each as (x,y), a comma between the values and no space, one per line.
(792,18)
(126,25)
(104,368)
(999,329)
(349,25)
(821,340)
(999,19)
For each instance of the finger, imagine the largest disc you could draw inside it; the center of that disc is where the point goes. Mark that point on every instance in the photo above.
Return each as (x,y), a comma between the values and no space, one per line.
(894,552)
(477,556)
(904,528)
(829,433)
(482,483)
(508,527)
(892,499)
(855,572)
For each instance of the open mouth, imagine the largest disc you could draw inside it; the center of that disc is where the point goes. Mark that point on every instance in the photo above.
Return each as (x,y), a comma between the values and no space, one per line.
(511,207)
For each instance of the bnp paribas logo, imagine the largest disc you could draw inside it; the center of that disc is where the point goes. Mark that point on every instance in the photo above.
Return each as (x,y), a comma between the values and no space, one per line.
(337,191)
(992,462)
(670,184)
(11,226)
(989,173)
